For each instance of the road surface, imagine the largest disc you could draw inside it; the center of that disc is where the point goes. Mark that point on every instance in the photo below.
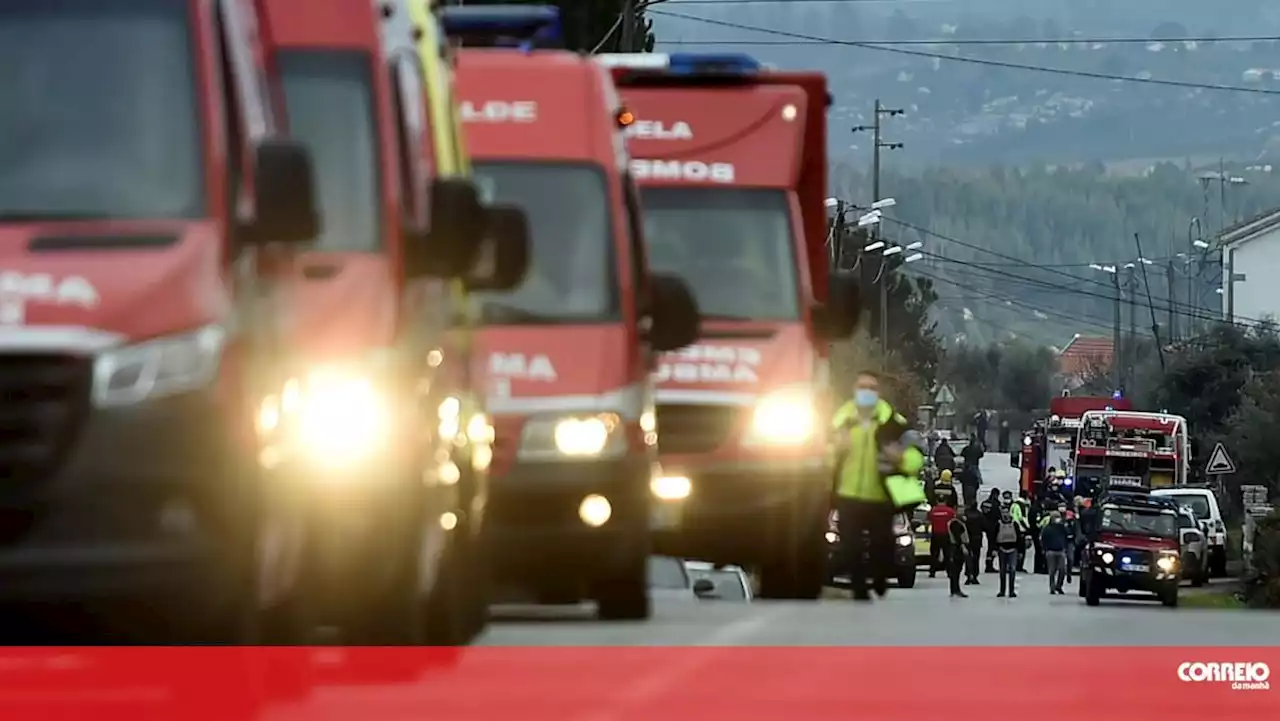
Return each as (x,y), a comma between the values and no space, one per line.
(924,615)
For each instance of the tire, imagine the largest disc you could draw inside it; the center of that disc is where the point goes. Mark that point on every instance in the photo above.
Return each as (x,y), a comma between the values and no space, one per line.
(624,595)
(799,575)
(1218,563)
(907,577)
(1169,597)
(1197,573)
(1092,593)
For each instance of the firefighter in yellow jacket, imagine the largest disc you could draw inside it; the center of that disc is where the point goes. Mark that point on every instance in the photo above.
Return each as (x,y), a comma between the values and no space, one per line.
(881,457)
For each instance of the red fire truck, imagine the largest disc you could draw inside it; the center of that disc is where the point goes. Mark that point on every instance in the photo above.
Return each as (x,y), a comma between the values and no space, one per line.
(1131,450)
(1051,442)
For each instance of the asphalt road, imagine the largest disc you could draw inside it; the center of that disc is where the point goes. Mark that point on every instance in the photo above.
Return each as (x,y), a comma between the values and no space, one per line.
(924,615)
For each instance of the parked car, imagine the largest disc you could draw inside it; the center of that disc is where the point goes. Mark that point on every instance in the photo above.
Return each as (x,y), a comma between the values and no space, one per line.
(668,578)
(719,583)
(904,553)
(1194,545)
(1204,504)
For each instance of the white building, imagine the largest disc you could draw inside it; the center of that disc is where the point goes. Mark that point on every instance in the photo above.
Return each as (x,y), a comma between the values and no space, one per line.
(1251,268)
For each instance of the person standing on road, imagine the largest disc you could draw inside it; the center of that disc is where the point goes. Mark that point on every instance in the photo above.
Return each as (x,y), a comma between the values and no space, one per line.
(940,550)
(976,525)
(945,489)
(1053,538)
(991,512)
(1072,528)
(1007,543)
(957,542)
(880,462)
(944,456)
(1020,511)
(972,454)
(970,480)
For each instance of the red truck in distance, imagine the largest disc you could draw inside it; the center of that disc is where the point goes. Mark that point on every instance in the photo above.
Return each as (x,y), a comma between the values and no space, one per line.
(731,162)
(569,352)
(144,172)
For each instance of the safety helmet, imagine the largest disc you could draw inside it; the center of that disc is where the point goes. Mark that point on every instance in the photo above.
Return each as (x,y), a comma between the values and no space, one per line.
(945,476)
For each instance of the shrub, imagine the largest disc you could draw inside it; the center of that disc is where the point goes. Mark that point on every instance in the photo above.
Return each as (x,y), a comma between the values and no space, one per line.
(1263,590)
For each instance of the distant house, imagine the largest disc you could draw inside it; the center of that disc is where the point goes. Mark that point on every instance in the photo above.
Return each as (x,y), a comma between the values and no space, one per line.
(1252,250)
(1083,359)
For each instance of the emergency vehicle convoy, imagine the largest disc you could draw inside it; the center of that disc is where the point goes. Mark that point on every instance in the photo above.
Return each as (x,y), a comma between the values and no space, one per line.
(1051,442)
(567,354)
(189,397)
(730,158)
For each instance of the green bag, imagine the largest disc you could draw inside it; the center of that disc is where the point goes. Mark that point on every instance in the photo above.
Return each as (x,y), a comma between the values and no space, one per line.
(904,492)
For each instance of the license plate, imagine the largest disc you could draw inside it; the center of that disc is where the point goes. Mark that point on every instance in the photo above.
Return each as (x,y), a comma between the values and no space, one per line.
(1140,567)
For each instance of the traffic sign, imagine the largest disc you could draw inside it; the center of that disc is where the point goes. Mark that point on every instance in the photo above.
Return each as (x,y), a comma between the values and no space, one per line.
(945,395)
(1219,462)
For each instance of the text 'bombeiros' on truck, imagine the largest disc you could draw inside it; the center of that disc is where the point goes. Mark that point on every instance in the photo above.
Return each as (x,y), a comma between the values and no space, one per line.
(568,353)
(731,162)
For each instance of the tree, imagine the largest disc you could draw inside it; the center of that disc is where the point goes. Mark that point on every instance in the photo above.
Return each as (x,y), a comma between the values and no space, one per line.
(900,386)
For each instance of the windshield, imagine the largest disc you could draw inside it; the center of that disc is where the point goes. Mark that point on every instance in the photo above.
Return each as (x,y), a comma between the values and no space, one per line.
(728,584)
(1118,520)
(665,572)
(731,245)
(571,276)
(1198,504)
(329,99)
(98,118)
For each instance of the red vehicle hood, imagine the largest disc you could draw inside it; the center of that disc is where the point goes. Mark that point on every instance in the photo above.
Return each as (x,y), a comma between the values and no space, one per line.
(341,304)
(132,280)
(735,362)
(532,369)
(1143,543)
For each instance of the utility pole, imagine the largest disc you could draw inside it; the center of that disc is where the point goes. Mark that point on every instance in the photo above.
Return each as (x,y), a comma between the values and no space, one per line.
(878,144)
(1171,275)
(1131,353)
(628,26)
(1117,352)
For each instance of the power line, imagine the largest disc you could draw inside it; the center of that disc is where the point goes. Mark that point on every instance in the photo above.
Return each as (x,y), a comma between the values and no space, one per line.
(988,41)
(961,59)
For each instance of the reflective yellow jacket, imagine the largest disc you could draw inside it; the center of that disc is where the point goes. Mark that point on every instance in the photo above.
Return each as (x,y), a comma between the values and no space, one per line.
(862,469)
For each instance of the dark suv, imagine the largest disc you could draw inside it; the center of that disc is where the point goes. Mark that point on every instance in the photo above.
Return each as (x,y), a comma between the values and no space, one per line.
(1135,547)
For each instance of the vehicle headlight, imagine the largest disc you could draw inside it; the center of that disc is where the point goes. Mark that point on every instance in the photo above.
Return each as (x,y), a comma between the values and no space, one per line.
(1107,557)
(786,417)
(593,435)
(1167,562)
(333,417)
(905,541)
(832,537)
(157,368)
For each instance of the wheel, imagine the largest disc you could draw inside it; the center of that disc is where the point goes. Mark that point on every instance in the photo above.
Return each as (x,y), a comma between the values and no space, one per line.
(906,577)
(624,594)
(457,607)
(1218,562)
(1093,592)
(1194,567)
(799,574)
(1169,596)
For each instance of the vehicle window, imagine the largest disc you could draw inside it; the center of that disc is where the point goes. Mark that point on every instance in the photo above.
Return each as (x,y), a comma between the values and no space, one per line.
(1185,521)
(667,573)
(1198,504)
(635,239)
(732,245)
(1117,520)
(329,99)
(99,118)
(571,276)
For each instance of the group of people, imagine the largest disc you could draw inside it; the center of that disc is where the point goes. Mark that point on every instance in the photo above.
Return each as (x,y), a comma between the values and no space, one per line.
(956,540)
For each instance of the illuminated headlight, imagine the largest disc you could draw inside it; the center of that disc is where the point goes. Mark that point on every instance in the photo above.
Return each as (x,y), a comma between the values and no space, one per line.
(158,368)
(905,541)
(832,537)
(671,488)
(331,416)
(1167,562)
(1107,557)
(597,435)
(787,417)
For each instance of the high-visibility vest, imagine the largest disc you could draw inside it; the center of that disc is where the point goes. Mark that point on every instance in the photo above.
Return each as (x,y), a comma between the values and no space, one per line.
(860,475)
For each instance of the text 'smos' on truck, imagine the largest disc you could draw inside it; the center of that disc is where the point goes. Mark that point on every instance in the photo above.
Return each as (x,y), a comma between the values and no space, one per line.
(568,353)
(731,162)
(140,327)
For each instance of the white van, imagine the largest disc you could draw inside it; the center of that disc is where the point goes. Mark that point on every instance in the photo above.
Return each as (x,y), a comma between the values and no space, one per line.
(1204,505)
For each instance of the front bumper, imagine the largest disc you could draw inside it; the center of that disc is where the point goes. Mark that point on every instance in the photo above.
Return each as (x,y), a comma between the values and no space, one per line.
(138,501)
(746,512)
(533,523)
(1111,578)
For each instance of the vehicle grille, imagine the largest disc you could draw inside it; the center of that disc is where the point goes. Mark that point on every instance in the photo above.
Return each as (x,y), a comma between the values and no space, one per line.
(1137,557)
(694,428)
(43,402)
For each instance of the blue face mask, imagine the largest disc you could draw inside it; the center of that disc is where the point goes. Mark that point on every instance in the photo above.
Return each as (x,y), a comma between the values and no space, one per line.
(866,398)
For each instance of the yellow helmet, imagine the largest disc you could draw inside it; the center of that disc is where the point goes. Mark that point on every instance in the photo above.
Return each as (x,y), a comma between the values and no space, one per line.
(945,477)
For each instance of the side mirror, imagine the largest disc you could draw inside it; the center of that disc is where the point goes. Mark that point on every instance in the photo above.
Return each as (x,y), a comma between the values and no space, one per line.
(704,588)
(450,247)
(676,322)
(503,259)
(838,317)
(284,185)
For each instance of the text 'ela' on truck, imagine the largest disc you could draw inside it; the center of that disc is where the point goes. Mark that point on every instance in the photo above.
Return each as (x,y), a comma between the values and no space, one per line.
(731,162)
(567,354)
(156,332)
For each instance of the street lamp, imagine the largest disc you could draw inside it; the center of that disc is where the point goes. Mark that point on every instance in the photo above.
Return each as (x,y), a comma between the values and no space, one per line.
(870,219)
(892,250)
(913,257)
(884,203)
(877,245)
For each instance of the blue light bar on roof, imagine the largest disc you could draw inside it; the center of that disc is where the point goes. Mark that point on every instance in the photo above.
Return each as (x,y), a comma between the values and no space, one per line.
(712,64)
(502,25)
